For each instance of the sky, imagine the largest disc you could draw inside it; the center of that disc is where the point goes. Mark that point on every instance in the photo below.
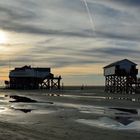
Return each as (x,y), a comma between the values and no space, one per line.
(74,40)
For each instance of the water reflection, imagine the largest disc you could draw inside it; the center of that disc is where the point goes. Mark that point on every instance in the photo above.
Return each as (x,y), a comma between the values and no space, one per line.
(15,104)
(126,110)
(124,98)
(96,97)
(110,123)
(115,118)
(24,110)
(124,120)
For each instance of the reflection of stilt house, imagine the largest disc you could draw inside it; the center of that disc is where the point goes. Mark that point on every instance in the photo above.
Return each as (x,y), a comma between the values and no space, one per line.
(33,78)
(121,76)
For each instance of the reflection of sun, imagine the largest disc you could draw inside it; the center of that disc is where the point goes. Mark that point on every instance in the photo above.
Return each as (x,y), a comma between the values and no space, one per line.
(3,37)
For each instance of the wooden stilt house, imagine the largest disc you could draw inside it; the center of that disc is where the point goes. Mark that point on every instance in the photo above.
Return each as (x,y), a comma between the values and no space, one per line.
(28,77)
(121,77)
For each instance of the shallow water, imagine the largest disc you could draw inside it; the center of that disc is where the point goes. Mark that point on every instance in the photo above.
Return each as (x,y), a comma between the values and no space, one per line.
(13,108)
(107,117)
(84,96)
(124,98)
(97,97)
(106,122)
(112,118)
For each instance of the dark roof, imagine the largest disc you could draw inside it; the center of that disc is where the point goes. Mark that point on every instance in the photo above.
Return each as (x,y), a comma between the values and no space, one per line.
(42,69)
(117,63)
(23,68)
(36,68)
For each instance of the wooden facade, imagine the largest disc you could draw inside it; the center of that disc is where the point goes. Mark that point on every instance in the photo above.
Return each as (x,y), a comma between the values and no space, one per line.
(121,77)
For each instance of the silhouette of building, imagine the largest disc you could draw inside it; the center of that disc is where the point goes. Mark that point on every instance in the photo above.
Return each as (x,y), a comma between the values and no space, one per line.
(28,77)
(121,77)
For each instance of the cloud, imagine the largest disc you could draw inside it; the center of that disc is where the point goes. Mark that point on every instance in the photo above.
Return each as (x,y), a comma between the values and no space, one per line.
(58,33)
(135,3)
(110,54)
(118,36)
(33,19)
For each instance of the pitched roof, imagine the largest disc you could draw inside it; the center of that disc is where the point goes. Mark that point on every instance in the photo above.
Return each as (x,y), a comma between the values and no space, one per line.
(117,63)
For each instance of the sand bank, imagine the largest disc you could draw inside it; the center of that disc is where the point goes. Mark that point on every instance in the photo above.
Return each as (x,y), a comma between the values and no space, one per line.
(74,114)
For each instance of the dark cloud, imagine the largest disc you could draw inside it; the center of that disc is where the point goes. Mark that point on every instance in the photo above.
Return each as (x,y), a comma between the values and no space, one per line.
(19,11)
(31,29)
(117,36)
(83,34)
(12,14)
(68,18)
(110,51)
(71,61)
(21,28)
(55,61)
(135,3)
(26,17)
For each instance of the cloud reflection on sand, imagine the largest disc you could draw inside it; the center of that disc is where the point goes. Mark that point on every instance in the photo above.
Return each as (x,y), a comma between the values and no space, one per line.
(105,122)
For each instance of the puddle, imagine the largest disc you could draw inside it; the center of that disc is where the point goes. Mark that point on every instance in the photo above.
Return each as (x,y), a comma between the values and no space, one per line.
(99,110)
(82,108)
(17,110)
(17,98)
(124,120)
(126,110)
(109,123)
(113,118)
(38,108)
(24,110)
(14,104)
(109,117)
(3,109)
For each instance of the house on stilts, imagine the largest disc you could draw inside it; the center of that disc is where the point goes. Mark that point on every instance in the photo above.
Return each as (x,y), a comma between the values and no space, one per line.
(28,77)
(121,77)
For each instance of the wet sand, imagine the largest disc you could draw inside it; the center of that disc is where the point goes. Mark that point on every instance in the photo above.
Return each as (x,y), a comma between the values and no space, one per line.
(70,115)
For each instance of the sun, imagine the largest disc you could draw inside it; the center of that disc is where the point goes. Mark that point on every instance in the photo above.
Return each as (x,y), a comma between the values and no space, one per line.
(3,37)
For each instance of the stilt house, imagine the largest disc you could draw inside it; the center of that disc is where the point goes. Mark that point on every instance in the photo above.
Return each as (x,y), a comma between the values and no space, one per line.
(121,76)
(33,78)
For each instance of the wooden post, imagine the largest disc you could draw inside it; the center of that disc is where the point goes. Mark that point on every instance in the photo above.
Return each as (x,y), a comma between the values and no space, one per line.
(120,84)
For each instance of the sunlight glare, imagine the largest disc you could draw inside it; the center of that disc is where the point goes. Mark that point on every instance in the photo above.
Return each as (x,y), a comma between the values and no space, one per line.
(3,37)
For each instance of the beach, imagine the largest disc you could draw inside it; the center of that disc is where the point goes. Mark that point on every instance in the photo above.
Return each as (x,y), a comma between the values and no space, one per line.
(69,114)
